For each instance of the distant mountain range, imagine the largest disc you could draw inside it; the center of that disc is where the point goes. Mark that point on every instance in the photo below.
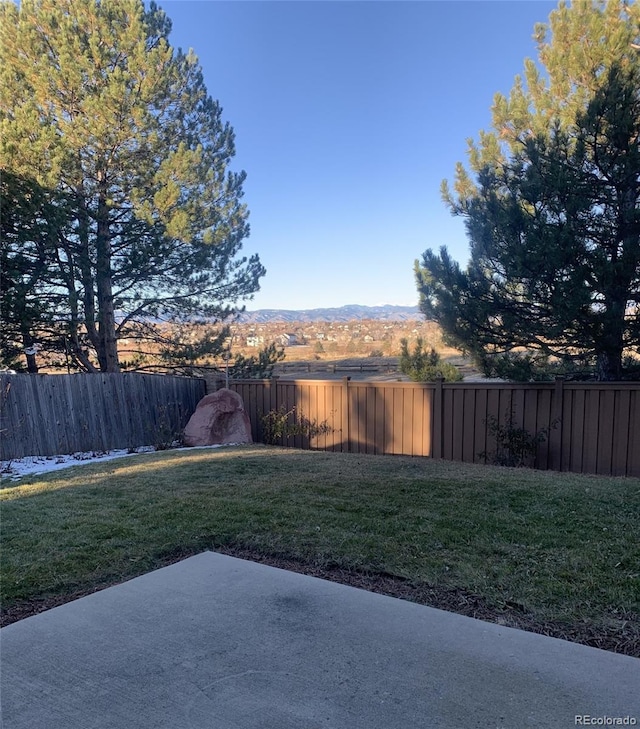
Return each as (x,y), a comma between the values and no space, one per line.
(341,313)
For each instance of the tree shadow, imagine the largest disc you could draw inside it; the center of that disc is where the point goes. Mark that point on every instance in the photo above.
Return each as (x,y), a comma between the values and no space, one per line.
(366,416)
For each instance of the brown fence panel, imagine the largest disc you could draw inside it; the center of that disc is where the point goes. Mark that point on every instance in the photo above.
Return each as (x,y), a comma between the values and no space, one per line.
(590,431)
(46,415)
(604,463)
(621,422)
(544,458)
(633,444)
(598,425)
(379,430)
(588,427)
(329,410)
(259,398)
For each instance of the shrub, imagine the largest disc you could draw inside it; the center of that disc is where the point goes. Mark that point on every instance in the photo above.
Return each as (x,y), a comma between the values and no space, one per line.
(515,446)
(257,367)
(423,366)
(277,425)
(167,431)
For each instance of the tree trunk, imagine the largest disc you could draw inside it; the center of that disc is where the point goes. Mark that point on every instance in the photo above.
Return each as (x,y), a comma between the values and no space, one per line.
(609,366)
(611,343)
(29,353)
(88,302)
(107,340)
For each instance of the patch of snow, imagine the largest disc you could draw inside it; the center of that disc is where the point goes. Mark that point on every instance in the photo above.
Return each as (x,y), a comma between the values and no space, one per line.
(34,465)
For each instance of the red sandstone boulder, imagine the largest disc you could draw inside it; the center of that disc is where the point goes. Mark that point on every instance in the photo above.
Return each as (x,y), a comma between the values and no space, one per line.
(220,418)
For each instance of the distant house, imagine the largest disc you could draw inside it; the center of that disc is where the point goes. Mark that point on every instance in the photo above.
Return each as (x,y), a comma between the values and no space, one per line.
(287,340)
(254,341)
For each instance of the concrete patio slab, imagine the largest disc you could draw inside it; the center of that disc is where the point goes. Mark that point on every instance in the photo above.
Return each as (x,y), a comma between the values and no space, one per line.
(222,643)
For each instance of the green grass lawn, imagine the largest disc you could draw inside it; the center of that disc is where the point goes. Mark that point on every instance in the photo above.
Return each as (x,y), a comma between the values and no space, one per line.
(555,553)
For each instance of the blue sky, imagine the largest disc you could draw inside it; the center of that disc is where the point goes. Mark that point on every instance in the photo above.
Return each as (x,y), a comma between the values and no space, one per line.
(348,115)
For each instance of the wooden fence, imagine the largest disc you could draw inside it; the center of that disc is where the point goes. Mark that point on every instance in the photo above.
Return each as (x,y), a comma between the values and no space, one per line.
(592,427)
(47,415)
(334,367)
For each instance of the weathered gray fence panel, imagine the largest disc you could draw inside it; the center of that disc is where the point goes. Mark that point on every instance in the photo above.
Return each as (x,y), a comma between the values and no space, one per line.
(46,415)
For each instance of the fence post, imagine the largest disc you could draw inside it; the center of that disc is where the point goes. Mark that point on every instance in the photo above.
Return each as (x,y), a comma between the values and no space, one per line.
(346,408)
(555,433)
(436,446)
(217,381)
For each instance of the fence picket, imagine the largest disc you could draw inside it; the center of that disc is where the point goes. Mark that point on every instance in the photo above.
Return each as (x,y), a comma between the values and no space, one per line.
(47,415)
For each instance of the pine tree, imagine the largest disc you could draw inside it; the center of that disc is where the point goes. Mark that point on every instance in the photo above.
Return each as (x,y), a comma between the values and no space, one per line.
(552,210)
(423,366)
(29,225)
(99,109)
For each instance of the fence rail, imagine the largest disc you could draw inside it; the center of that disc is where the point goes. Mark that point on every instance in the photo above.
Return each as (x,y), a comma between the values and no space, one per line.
(592,427)
(46,415)
(336,367)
